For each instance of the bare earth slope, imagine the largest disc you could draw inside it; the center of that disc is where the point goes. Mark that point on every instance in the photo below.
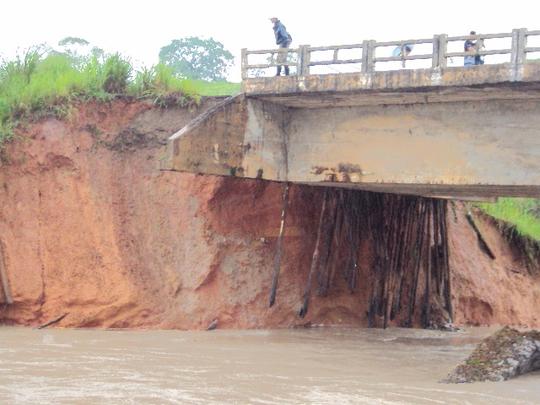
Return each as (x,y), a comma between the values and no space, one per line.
(90,227)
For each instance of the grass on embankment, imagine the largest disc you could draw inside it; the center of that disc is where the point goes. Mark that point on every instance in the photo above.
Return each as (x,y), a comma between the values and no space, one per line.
(36,85)
(522,213)
(203,88)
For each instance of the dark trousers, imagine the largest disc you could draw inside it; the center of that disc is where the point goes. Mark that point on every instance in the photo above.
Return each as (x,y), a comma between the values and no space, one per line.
(282,58)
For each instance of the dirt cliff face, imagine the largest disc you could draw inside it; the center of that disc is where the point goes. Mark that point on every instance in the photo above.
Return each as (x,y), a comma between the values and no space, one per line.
(90,227)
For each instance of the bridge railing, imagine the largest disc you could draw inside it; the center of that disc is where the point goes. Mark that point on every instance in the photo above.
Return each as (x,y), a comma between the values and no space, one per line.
(364,55)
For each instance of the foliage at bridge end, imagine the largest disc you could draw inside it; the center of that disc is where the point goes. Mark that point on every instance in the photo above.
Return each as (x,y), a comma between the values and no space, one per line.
(197,58)
(46,82)
(518,220)
(522,213)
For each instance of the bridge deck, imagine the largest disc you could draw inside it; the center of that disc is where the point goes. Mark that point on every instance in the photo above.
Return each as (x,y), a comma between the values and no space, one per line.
(501,81)
(442,131)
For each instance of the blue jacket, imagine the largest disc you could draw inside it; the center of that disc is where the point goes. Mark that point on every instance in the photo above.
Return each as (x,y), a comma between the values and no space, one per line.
(282,36)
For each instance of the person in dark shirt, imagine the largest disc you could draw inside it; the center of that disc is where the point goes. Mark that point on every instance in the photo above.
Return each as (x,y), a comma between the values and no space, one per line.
(472,47)
(283,40)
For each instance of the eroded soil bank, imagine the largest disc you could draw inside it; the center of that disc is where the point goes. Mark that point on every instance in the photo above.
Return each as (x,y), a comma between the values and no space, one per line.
(90,227)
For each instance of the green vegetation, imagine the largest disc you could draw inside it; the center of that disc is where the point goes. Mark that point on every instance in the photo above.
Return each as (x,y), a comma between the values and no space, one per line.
(197,58)
(221,88)
(522,213)
(46,82)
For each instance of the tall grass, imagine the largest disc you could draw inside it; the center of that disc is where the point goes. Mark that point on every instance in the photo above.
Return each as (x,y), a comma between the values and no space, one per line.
(163,86)
(40,83)
(523,213)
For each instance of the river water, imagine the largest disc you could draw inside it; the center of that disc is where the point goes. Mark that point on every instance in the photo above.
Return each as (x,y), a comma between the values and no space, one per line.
(320,366)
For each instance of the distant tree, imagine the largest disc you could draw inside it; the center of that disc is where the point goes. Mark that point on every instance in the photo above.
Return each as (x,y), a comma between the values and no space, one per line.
(97,52)
(78,49)
(197,58)
(69,41)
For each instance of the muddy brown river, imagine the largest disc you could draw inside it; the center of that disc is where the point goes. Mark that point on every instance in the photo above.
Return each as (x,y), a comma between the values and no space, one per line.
(319,366)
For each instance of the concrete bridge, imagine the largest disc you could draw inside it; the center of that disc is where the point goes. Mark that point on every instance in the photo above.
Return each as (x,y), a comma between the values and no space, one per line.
(438,130)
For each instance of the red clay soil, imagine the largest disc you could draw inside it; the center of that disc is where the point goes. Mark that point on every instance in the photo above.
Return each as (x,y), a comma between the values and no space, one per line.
(90,227)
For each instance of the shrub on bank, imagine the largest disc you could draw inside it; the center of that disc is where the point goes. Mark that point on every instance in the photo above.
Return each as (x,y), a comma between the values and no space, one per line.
(522,213)
(44,82)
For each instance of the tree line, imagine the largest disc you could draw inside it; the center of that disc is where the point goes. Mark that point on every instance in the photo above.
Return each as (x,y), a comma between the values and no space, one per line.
(189,57)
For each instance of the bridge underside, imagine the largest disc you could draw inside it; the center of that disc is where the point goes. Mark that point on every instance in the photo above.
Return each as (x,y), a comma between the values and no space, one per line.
(456,136)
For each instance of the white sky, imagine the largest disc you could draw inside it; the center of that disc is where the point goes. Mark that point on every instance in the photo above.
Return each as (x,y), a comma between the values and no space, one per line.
(138,29)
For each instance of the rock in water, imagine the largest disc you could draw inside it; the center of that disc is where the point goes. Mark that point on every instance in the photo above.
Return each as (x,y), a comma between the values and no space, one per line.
(506,354)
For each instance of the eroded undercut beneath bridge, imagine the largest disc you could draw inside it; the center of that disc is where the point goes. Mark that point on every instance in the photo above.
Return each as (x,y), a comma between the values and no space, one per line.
(393,247)
(378,258)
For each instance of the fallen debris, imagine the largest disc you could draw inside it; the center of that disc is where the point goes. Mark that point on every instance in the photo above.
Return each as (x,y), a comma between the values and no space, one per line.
(213,325)
(481,240)
(447,327)
(506,354)
(305,325)
(55,320)
(8,299)
(315,258)
(279,248)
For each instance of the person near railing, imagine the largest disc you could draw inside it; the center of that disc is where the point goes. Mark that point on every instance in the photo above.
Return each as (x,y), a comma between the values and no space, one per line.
(472,47)
(402,51)
(283,40)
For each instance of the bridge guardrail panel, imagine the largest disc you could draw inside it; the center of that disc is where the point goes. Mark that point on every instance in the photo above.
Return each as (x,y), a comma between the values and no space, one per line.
(303,59)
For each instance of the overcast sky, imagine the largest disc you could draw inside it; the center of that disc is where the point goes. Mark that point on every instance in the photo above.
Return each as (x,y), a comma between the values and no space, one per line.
(138,29)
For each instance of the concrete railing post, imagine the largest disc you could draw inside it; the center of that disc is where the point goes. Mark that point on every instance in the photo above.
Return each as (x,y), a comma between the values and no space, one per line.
(436,48)
(302,67)
(368,54)
(519,42)
(522,55)
(518,55)
(441,52)
(515,47)
(364,65)
(244,63)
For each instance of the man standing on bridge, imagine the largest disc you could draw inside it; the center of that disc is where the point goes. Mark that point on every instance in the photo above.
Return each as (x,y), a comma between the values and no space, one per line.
(283,40)
(473,47)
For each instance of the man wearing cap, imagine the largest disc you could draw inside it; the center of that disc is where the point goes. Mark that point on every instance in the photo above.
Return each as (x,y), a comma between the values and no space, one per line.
(283,40)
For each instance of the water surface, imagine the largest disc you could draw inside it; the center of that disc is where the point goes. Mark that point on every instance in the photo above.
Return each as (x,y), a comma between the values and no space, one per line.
(321,366)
